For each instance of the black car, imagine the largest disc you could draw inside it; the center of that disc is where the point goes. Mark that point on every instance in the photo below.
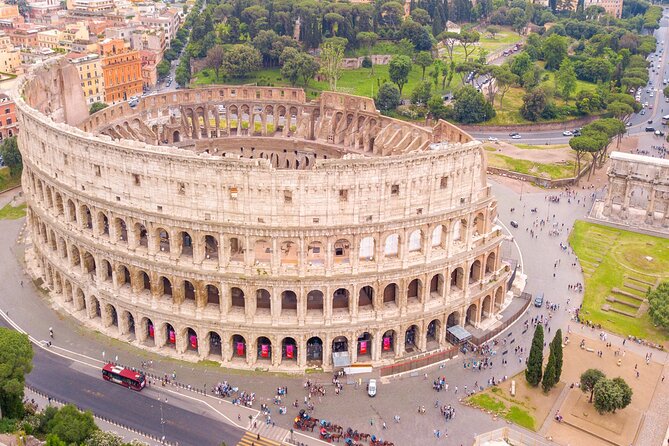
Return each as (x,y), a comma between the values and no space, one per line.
(650,129)
(513,133)
(514,223)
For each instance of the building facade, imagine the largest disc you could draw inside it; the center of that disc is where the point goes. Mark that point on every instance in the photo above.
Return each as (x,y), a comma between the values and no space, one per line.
(122,71)
(8,123)
(89,67)
(612,7)
(313,233)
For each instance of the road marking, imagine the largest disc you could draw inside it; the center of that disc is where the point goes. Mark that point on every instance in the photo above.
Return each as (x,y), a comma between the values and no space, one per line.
(250,438)
(513,239)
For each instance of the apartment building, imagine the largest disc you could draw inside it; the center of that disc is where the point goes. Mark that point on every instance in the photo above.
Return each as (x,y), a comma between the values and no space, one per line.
(122,71)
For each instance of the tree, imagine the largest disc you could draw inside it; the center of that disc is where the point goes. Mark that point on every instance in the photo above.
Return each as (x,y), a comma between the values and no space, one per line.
(298,65)
(423,60)
(241,60)
(388,97)
(534,104)
(471,107)
(71,425)
(53,440)
(163,69)
(589,379)
(467,40)
(554,366)
(493,30)
(557,350)
(658,300)
(332,53)
(398,70)
(215,58)
(607,396)
(520,65)
(16,356)
(422,93)
(450,39)
(554,50)
(565,79)
(367,39)
(626,392)
(101,438)
(548,380)
(535,359)
(505,80)
(96,107)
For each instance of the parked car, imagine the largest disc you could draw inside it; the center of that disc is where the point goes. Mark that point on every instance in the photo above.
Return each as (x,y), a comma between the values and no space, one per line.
(567,133)
(539,300)
(514,223)
(516,136)
(371,388)
(492,138)
(650,129)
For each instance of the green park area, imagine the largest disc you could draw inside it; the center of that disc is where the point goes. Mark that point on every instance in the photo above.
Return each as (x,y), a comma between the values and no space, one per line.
(553,171)
(619,268)
(9,212)
(7,180)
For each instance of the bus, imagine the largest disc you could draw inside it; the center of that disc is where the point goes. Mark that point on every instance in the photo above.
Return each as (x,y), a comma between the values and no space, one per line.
(123,376)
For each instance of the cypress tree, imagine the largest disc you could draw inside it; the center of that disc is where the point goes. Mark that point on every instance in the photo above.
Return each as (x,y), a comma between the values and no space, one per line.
(548,381)
(557,351)
(535,360)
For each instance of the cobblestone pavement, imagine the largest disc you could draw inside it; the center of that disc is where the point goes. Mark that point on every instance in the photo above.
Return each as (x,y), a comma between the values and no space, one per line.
(353,407)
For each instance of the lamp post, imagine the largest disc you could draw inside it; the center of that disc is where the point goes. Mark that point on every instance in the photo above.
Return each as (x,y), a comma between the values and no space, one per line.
(162,421)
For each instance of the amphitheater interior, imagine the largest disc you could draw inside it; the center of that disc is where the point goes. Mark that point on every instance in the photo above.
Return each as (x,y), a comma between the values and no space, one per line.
(255,227)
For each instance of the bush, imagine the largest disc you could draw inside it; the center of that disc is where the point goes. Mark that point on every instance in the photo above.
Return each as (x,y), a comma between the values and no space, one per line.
(366,62)
(8,425)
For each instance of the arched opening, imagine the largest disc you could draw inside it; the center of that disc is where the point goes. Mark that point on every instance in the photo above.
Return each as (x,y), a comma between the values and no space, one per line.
(238,346)
(141,235)
(123,278)
(191,340)
(367,247)
(342,251)
(366,298)
(437,286)
(457,278)
(176,136)
(264,348)
(106,269)
(453,319)
(263,302)
(103,224)
(288,251)
(79,300)
(121,229)
(392,246)
(112,316)
(479,224)
(263,252)
(314,351)
(236,250)
(288,304)
(59,204)
(414,291)
(365,346)
(475,272)
(145,282)
(149,331)
(189,291)
(87,218)
(237,299)
(459,229)
(470,318)
(438,237)
(340,300)
(186,244)
(315,302)
(128,325)
(499,299)
(71,211)
(388,343)
(167,287)
(215,347)
(486,307)
(433,334)
(75,257)
(490,263)
(213,296)
(210,247)
(170,336)
(89,265)
(67,292)
(390,293)
(95,306)
(163,240)
(289,349)
(416,241)
(316,254)
(339,344)
(410,337)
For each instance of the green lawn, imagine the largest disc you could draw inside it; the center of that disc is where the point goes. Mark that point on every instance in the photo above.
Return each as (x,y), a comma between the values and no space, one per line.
(359,82)
(10,212)
(553,171)
(493,401)
(7,180)
(540,147)
(609,258)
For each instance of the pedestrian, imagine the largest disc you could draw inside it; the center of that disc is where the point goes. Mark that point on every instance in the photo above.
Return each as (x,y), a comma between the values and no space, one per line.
(371,422)
(384,425)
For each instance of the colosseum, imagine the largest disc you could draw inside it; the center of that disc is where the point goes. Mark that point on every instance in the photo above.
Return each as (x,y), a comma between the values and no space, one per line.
(255,227)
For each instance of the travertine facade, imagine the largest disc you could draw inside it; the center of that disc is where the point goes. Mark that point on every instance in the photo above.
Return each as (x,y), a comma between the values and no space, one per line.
(279,232)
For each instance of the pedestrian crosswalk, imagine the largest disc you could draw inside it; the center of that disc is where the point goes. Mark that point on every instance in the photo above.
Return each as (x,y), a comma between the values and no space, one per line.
(250,439)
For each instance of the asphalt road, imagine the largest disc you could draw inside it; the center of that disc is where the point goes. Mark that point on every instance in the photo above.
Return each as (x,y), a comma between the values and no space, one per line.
(638,121)
(81,385)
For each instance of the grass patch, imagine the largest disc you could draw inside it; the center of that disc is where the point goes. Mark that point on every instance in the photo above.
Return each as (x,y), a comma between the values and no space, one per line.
(623,253)
(540,147)
(494,401)
(10,212)
(552,171)
(521,417)
(487,402)
(7,180)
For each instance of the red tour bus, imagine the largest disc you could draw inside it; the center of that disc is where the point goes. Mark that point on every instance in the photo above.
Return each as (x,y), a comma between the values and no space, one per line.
(123,376)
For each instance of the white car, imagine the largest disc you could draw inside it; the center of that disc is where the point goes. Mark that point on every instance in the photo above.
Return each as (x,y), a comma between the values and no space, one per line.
(652,95)
(492,138)
(371,388)
(516,137)
(567,133)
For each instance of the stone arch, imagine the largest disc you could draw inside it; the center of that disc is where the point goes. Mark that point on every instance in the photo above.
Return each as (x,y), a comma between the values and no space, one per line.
(438,237)
(340,344)
(391,294)
(479,224)
(215,345)
(176,136)
(315,253)
(236,250)
(87,218)
(123,278)
(314,351)
(169,335)
(499,299)
(192,343)
(367,248)
(459,228)
(127,324)
(342,251)
(411,336)
(148,331)
(415,291)
(166,285)
(433,332)
(68,295)
(391,246)
(60,210)
(79,300)
(490,263)
(388,341)
(315,302)
(186,244)
(237,300)
(238,344)
(213,295)
(75,256)
(263,301)
(89,265)
(111,316)
(121,229)
(486,307)
(437,286)
(71,211)
(264,348)
(144,282)
(458,278)
(210,247)
(364,346)
(288,303)
(188,291)
(470,318)
(366,298)
(95,310)
(453,319)
(288,349)
(162,240)
(416,241)
(475,271)
(103,223)
(141,235)
(340,300)
(262,250)
(289,254)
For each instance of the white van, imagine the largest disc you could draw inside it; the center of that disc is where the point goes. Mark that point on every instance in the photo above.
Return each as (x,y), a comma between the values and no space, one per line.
(371,388)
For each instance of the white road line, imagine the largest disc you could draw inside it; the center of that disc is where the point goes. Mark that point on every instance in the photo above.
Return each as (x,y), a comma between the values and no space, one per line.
(513,239)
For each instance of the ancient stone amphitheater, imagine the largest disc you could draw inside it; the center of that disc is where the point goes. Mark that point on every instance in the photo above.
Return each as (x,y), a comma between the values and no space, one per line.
(254,227)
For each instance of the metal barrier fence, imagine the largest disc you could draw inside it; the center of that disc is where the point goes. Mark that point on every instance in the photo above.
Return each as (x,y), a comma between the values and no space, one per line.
(491,334)
(417,363)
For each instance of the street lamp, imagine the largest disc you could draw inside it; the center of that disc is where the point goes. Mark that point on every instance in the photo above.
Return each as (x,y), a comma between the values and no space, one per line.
(162,421)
